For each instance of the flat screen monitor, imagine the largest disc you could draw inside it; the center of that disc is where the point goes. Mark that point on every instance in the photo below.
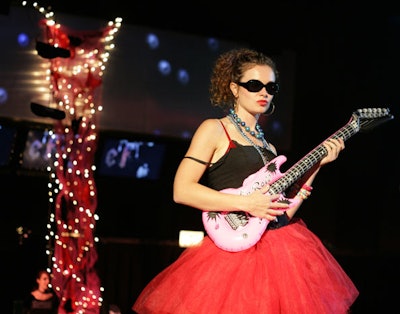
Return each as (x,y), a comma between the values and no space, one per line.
(39,150)
(131,158)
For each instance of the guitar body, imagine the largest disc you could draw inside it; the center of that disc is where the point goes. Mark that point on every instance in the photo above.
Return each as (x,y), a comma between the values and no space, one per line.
(237,231)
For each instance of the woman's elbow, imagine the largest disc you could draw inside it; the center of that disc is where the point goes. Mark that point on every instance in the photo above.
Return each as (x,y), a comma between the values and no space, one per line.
(177,195)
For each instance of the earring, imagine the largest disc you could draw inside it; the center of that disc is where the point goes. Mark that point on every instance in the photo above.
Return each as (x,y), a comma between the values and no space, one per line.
(270,110)
(234,106)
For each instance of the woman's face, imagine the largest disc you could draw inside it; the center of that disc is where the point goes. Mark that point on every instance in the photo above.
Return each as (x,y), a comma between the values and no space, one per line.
(255,102)
(43,281)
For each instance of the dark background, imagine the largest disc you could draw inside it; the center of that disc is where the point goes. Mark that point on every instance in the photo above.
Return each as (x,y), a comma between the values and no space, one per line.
(344,60)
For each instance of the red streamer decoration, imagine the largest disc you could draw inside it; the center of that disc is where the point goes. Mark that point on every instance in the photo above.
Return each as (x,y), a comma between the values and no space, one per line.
(76,67)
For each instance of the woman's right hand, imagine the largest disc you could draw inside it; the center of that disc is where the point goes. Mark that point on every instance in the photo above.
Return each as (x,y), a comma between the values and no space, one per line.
(263,205)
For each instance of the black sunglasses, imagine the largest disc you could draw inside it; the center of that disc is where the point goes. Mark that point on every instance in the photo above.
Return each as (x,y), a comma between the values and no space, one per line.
(255,86)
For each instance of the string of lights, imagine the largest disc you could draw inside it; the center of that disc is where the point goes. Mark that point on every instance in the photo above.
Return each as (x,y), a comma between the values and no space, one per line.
(76,64)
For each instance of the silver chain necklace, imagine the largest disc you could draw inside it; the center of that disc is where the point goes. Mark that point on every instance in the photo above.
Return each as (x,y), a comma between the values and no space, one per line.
(265,144)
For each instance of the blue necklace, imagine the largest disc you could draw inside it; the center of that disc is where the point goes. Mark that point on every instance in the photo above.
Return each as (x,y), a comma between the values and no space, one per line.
(238,124)
(259,135)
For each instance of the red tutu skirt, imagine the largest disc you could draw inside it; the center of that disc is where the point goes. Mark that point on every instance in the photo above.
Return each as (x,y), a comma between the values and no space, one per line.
(288,271)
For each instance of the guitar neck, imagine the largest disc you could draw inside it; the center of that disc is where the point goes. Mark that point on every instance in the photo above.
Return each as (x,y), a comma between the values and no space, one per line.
(313,157)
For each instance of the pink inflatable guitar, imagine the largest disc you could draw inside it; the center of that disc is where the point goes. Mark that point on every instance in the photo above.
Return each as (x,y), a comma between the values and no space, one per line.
(237,231)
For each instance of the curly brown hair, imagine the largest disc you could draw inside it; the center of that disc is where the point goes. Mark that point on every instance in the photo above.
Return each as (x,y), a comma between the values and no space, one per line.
(229,67)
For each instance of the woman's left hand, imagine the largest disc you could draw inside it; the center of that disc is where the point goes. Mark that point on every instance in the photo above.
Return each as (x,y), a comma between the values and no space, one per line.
(333,147)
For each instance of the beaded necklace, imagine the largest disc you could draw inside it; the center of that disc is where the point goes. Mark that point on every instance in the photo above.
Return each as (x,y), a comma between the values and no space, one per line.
(239,124)
(259,135)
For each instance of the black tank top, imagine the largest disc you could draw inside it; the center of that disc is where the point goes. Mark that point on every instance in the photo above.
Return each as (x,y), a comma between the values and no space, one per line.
(235,165)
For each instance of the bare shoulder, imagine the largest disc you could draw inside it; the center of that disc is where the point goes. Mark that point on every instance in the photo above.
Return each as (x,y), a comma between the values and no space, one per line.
(209,127)
(206,139)
(211,124)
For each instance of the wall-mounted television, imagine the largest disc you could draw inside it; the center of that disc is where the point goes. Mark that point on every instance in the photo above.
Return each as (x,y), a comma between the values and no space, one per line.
(131,158)
(39,150)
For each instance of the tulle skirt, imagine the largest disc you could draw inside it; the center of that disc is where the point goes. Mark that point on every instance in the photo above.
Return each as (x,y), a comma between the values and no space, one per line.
(288,271)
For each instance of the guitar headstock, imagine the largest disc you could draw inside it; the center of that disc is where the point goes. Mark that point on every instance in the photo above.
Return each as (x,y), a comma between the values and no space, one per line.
(369,118)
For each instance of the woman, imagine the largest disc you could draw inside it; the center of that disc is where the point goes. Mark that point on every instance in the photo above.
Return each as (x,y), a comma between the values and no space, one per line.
(42,300)
(288,270)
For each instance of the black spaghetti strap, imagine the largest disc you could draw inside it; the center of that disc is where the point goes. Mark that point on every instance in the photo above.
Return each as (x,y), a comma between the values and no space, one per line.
(198,160)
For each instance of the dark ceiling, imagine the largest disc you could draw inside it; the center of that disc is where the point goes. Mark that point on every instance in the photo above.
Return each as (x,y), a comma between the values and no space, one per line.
(276,23)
